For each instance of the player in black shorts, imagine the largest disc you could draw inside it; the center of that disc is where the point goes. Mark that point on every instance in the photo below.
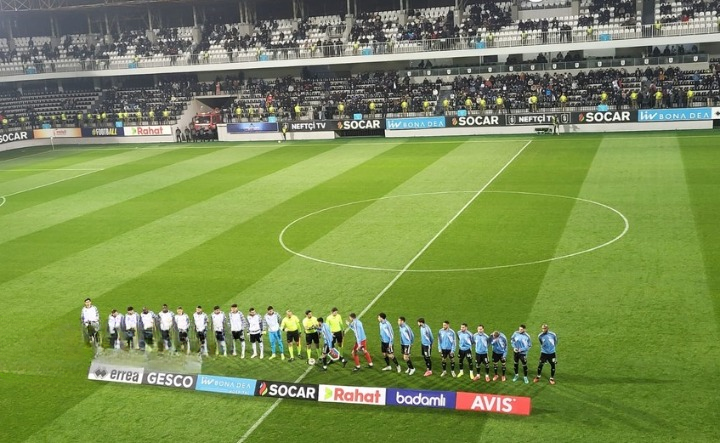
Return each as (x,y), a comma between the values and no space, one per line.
(386,348)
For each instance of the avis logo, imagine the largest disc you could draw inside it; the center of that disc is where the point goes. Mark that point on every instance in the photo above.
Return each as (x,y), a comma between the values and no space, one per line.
(487,403)
(502,404)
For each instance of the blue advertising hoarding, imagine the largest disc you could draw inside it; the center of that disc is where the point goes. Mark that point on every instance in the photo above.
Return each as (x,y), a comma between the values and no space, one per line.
(225,385)
(243,128)
(415,123)
(420,398)
(675,115)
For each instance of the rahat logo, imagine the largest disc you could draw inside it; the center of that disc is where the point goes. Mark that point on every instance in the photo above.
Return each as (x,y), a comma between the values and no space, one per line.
(353,394)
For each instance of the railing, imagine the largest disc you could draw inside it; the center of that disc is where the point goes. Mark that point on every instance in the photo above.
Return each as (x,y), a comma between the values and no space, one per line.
(561,66)
(535,40)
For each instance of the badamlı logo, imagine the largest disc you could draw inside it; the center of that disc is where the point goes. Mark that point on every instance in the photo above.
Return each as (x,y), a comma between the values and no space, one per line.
(421,398)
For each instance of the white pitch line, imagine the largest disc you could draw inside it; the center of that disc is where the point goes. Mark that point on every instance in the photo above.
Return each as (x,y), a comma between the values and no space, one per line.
(393,281)
(50,169)
(3,198)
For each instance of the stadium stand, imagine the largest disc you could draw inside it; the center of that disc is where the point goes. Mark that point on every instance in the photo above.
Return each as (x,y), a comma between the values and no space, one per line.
(485,23)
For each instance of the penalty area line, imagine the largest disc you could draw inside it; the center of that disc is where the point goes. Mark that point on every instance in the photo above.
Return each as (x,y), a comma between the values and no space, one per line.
(392,282)
(3,199)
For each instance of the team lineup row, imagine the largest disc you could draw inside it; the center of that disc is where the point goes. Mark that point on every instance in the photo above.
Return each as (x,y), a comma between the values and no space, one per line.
(137,330)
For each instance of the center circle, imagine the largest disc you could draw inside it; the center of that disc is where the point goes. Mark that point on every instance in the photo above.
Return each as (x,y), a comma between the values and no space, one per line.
(295,223)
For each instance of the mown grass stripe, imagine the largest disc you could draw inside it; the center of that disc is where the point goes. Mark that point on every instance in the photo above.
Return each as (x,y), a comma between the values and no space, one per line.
(215,267)
(57,204)
(703,183)
(184,184)
(103,161)
(21,167)
(135,253)
(627,297)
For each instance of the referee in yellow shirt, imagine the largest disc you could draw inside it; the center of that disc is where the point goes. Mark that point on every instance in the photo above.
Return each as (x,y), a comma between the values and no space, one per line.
(312,337)
(335,321)
(291,325)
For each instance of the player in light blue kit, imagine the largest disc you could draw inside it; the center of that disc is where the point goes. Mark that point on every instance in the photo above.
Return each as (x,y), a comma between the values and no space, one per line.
(521,344)
(446,345)
(465,342)
(407,337)
(499,347)
(548,341)
(482,343)
(386,343)
(426,342)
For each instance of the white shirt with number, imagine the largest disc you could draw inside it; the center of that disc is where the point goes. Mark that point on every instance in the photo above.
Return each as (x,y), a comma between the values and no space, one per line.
(273,322)
(218,321)
(237,321)
(90,315)
(182,321)
(166,320)
(131,321)
(201,321)
(254,324)
(114,323)
(148,320)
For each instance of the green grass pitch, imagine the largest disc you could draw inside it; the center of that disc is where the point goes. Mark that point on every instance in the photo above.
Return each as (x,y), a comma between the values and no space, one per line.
(635,302)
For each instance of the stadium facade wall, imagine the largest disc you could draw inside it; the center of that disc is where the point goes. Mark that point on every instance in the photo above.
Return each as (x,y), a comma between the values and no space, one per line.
(377,58)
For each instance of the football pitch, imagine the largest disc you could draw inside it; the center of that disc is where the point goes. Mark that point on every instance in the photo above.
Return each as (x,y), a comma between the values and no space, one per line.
(611,239)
